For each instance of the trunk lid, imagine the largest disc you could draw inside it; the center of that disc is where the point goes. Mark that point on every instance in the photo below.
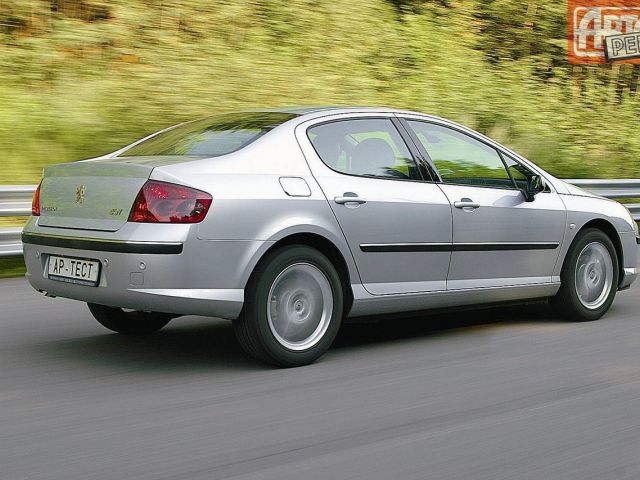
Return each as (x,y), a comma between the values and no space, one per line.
(91,195)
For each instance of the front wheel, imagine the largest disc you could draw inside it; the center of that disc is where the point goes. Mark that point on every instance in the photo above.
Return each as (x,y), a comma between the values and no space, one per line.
(293,307)
(128,322)
(589,277)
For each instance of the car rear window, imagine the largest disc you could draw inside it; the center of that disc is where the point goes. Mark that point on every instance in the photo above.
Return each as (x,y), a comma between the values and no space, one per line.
(211,136)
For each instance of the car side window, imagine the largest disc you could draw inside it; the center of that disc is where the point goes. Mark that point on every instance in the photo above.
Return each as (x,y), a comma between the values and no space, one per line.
(370,147)
(521,174)
(461,159)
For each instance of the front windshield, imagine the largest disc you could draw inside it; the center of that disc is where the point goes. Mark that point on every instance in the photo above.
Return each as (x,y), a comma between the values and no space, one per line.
(211,136)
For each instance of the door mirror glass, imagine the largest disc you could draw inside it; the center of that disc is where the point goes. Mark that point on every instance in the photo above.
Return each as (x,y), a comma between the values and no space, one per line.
(534,186)
(528,182)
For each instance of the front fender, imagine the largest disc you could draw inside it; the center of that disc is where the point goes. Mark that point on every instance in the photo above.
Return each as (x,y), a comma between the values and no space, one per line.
(584,210)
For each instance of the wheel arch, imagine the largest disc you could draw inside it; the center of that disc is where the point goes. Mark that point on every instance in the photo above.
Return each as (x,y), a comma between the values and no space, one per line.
(324,246)
(609,230)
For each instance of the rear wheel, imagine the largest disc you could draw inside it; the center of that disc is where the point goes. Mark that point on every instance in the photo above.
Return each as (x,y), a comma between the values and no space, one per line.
(293,307)
(129,322)
(589,277)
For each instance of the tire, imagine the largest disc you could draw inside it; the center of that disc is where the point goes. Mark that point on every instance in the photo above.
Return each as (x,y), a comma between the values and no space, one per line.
(129,323)
(293,307)
(591,267)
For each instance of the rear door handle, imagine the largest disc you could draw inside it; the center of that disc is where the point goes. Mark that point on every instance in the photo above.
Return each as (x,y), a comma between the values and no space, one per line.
(349,199)
(466,203)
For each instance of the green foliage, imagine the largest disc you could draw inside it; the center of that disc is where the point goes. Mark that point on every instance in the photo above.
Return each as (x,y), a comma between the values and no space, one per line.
(79,78)
(12,267)
(514,30)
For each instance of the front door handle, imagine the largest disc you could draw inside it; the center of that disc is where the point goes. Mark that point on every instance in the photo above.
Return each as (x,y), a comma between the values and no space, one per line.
(349,199)
(466,203)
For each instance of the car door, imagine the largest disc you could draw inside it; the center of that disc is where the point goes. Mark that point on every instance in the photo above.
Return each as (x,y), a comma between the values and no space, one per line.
(499,238)
(397,222)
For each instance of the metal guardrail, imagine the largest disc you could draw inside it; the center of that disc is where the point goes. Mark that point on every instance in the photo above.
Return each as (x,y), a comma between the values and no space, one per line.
(15,201)
(10,244)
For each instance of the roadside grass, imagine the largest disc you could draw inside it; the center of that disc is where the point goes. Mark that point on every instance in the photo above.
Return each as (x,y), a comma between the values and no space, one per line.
(7,222)
(12,267)
(75,88)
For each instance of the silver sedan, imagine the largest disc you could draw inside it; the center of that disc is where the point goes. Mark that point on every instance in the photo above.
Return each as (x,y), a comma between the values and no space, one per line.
(287,221)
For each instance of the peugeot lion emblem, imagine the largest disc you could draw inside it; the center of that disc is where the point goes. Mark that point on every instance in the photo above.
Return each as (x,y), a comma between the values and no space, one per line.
(80,191)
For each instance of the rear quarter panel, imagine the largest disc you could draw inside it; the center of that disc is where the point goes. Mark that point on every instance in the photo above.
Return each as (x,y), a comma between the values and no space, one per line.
(250,204)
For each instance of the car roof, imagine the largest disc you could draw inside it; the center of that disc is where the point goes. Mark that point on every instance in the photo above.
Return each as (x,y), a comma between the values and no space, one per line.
(309,110)
(304,113)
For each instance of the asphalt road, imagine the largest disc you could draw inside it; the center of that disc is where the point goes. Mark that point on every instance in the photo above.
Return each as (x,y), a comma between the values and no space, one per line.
(505,393)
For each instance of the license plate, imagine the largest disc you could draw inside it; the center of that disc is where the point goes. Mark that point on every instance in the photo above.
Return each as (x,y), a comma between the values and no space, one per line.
(74,270)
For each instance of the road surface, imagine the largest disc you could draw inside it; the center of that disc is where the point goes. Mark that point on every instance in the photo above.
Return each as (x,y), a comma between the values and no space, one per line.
(503,393)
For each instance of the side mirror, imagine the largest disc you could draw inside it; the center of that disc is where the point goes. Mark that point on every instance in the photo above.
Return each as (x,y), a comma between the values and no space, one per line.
(534,186)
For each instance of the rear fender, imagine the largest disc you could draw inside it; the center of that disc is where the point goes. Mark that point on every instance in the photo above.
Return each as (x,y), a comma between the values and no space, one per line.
(335,238)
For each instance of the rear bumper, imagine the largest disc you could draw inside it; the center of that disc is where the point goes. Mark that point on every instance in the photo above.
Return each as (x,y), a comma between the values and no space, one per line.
(102,245)
(184,276)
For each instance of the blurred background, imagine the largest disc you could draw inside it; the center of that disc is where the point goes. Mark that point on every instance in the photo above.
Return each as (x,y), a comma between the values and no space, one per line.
(79,78)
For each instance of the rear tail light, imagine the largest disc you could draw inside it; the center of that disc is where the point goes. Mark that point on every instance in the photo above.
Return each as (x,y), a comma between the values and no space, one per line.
(160,202)
(35,203)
